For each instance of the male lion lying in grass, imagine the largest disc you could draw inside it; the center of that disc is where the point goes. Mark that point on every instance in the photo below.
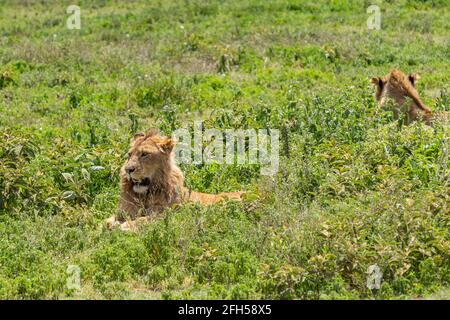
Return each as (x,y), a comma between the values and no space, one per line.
(150,181)
(401,90)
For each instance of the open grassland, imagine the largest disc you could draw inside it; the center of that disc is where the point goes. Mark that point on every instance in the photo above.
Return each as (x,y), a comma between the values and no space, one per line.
(354,188)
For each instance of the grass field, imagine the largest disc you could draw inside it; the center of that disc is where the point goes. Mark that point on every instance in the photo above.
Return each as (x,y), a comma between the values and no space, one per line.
(354,189)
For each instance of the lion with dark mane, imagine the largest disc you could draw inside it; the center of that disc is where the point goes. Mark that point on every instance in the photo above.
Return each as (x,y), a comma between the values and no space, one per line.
(150,181)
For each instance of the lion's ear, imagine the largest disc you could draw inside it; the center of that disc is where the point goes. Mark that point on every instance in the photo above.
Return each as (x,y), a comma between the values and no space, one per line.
(167,145)
(413,77)
(379,85)
(377,81)
(136,136)
(152,132)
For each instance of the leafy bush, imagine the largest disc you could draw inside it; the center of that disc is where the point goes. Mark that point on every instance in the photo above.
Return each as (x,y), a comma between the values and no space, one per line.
(355,188)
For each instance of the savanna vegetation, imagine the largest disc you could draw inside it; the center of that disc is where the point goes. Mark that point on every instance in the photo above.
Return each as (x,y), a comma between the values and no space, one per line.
(354,189)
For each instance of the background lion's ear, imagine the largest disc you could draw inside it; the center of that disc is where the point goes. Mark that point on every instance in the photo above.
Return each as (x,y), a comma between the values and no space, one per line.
(167,145)
(152,132)
(378,82)
(374,80)
(137,135)
(413,77)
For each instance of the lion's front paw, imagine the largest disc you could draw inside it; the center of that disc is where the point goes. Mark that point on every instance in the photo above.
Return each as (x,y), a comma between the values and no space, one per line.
(133,225)
(111,222)
(128,226)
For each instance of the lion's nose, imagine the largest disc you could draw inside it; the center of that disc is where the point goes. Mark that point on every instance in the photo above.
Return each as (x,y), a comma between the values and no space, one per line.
(129,170)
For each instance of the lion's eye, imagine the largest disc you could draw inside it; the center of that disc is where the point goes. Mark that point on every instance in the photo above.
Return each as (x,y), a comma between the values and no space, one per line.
(129,155)
(144,154)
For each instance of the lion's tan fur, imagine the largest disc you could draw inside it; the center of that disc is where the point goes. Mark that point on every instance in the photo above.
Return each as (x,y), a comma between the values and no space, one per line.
(165,183)
(400,88)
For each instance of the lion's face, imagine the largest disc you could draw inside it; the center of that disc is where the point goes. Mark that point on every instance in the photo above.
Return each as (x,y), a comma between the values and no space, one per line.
(148,154)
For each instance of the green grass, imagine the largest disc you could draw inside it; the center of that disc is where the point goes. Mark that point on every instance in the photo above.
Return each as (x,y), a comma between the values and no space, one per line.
(355,189)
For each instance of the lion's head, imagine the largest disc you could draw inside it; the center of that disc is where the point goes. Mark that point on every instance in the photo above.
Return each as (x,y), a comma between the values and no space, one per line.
(148,156)
(397,92)
(395,86)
